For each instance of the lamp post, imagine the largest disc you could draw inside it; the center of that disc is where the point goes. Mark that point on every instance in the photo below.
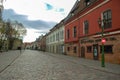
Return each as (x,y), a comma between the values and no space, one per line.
(102,25)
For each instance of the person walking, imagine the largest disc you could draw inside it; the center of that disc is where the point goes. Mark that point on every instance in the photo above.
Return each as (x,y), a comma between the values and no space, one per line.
(19,48)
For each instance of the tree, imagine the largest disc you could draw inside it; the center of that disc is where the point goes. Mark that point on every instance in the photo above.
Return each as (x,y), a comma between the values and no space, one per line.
(20,29)
(14,31)
(2,34)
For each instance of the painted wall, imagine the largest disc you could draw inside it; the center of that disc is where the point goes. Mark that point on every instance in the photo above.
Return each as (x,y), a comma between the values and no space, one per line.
(93,16)
(70,27)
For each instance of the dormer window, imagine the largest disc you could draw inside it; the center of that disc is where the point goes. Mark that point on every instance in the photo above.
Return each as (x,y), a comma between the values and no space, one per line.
(87,2)
(72,14)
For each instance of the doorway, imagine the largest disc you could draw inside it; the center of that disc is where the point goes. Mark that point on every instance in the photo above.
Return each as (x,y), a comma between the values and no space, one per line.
(83,52)
(95,52)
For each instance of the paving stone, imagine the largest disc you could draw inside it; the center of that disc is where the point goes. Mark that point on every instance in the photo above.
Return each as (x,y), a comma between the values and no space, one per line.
(35,65)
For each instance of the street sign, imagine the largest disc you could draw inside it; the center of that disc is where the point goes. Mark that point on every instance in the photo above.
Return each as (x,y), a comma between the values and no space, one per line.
(103,40)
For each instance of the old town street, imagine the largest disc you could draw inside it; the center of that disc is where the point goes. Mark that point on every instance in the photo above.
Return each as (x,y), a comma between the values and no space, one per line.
(37,65)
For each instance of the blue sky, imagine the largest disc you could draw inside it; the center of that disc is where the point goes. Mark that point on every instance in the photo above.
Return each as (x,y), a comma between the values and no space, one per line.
(38,16)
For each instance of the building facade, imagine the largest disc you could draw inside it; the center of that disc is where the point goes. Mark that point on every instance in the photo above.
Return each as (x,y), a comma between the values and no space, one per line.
(85,15)
(90,32)
(42,43)
(55,39)
(71,38)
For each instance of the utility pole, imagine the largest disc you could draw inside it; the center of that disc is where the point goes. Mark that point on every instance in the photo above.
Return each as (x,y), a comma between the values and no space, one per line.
(102,25)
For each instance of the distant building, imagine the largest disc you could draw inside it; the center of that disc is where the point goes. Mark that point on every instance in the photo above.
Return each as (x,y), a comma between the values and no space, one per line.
(42,43)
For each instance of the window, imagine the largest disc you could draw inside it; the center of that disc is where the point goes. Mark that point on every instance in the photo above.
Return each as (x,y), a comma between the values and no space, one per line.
(89,49)
(68,48)
(107,49)
(74,31)
(54,37)
(57,36)
(50,38)
(86,27)
(62,34)
(107,15)
(75,49)
(68,34)
(87,2)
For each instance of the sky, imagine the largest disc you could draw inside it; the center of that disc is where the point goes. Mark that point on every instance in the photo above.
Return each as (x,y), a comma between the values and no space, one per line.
(38,16)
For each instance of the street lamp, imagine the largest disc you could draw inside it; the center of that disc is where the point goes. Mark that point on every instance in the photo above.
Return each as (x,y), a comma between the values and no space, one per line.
(102,24)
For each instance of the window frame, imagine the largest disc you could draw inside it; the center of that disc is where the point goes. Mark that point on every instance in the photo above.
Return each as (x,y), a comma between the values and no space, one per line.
(87,2)
(75,49)
(86,27)
(68,49)
(68,33)
(88,49)
(107,15)
(74,31)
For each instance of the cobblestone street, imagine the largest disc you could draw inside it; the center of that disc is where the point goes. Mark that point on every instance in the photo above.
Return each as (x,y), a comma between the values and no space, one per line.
(36,65)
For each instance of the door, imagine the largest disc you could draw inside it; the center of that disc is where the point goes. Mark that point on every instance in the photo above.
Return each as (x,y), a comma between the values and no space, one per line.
(95,52)
(83,52)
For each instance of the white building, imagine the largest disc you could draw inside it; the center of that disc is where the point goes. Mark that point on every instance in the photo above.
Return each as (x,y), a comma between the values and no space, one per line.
(55,39)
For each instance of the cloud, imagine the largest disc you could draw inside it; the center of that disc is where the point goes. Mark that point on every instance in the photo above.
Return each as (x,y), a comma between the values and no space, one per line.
(41,32)
(10,14)
(35,24)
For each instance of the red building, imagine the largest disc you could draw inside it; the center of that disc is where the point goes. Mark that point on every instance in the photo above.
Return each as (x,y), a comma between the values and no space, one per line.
(86,14)
(42,43)
(71,38)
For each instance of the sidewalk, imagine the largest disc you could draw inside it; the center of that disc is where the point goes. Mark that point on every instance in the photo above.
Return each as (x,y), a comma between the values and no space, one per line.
(110,68)
(6,58)
(94,64)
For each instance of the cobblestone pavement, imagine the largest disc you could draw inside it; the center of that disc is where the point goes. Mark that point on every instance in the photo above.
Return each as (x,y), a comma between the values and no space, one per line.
(6,58)
(35,65)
